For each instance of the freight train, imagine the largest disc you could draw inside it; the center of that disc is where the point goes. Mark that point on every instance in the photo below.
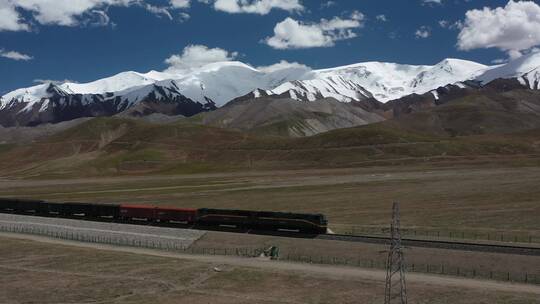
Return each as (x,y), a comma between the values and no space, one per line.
(242,219)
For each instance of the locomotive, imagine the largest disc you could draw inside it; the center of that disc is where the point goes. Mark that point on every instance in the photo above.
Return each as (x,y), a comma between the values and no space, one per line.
(243,219)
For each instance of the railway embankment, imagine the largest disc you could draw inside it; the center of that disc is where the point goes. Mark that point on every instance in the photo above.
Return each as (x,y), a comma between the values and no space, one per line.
(500,266)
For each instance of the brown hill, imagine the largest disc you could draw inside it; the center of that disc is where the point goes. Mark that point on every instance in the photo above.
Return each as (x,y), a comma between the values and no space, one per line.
(288,117)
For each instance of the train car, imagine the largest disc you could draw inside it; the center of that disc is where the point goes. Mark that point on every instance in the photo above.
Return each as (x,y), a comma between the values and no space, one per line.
(78,209)
(170,215)
(27,206)
(8,204)
(225,217)
(110,211)
(51,209)
(242,219)
(263,220)
(138,212)
(308,223)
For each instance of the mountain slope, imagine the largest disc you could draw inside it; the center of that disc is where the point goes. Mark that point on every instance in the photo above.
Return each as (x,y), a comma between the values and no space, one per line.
(485,111)
(113,146)
(288,117)
(55,104)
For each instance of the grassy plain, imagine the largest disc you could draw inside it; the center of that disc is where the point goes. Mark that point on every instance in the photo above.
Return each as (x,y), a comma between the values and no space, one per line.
(466,197)
(66,274)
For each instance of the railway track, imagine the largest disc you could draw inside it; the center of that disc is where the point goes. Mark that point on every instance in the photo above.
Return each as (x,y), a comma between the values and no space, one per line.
(407,242)
(450,245)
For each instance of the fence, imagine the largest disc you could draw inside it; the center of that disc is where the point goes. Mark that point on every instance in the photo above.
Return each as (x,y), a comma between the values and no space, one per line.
(439,234)
(527,278)
(167,244)
(122,239)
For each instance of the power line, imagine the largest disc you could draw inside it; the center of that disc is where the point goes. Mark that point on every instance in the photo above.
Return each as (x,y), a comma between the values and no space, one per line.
(395,290)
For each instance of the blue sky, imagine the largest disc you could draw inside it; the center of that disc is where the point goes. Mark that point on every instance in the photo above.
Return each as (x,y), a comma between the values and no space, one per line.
(140,35)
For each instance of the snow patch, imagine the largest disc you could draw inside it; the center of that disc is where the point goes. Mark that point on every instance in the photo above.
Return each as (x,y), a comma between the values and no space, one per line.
(435,94)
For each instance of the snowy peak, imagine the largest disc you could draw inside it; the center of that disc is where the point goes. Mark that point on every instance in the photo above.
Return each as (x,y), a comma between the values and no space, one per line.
(525,69)
(115,83)
(382,81)
(222,82)
(215,84)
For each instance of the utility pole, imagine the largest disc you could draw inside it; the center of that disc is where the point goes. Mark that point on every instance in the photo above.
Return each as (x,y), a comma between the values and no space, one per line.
(395,291)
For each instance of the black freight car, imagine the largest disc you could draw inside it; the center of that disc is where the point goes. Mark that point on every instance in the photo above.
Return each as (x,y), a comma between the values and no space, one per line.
(21,205)
(51,209)
(8,204)
(109,211)
(78,210)
(91,210)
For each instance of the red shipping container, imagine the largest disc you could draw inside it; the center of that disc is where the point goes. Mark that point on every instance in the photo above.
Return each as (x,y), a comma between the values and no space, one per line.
(138,212)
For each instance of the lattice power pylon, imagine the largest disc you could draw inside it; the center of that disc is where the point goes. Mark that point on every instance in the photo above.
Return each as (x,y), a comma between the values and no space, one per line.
(395,291)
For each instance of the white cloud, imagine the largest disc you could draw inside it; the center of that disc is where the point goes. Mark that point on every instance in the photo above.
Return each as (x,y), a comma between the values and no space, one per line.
(100,18)
(432,1)
(15,55)
(514,28)
(183,16)
(65,12)
(180,3)
(194,56)
(57,82)
(58,12)
(72,12)
(158,11)
(283,65)
(293,34)
(328,4)
(10,20)
(381,18)
(423,32)
(261,7)
(449,25)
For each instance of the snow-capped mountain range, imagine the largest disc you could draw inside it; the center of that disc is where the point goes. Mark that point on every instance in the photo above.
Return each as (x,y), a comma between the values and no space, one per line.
(215,84)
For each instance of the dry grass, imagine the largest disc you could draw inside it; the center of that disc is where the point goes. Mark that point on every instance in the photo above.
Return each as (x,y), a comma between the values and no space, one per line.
(476,198)
(34,272)
(325,250)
